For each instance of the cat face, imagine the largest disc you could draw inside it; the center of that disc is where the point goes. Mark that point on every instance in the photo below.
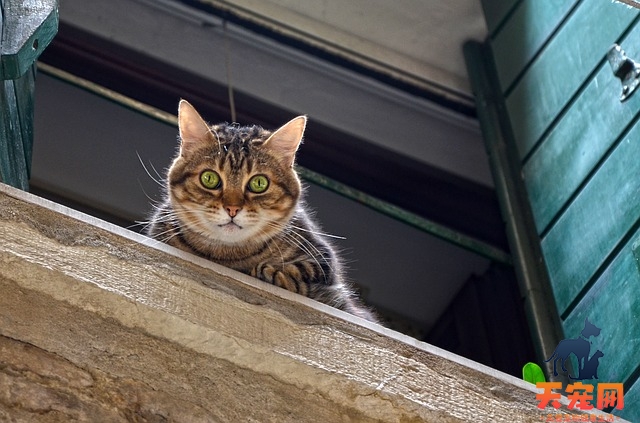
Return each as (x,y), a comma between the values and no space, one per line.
(234,185)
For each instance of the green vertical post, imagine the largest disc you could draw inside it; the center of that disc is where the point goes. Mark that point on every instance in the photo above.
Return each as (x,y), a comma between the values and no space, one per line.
(540,307)
(26,29)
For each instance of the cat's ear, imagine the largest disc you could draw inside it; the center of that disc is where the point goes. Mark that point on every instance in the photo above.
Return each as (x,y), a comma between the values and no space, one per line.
(194,131)
(285,141)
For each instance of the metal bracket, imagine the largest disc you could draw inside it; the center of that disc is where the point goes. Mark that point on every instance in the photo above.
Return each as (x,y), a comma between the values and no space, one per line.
(624,69)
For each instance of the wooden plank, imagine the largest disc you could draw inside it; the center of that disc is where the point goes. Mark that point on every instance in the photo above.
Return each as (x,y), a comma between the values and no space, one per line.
(495,12)
(578,142)
(555,76)
(526,32)
(612,304)
(603,212)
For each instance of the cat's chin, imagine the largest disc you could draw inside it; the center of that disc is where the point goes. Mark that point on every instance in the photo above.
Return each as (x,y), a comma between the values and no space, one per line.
(231,231)
(231,227)
(233,234)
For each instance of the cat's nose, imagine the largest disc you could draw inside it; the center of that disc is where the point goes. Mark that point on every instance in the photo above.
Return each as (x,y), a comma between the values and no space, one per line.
(232,211)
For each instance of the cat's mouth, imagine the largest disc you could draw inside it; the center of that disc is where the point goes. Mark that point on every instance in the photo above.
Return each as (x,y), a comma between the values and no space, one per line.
(231,225)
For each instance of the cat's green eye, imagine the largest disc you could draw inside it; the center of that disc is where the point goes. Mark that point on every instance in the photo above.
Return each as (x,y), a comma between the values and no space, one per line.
(258,184)
(210,179)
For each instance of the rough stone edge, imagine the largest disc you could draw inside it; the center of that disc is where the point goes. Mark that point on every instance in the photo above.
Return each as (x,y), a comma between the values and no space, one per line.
(471,367)
(255,283)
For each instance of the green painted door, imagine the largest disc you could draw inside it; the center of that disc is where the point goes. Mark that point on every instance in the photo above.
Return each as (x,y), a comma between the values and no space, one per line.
(576,150)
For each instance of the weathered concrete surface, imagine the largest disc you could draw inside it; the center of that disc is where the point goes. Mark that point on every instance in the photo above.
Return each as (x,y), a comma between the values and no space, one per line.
(96,326)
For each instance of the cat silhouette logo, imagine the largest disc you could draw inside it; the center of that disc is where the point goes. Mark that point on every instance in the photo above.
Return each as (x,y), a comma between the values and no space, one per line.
(580,347)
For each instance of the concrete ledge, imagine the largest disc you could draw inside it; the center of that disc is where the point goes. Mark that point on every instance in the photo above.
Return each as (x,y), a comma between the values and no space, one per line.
(101,324)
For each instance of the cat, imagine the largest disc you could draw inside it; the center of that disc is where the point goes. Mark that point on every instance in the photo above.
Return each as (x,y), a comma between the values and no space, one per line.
(233,197)
(590,369)
(579,347)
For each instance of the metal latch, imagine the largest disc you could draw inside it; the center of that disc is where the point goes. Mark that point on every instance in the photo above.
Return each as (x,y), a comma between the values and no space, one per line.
(624,69)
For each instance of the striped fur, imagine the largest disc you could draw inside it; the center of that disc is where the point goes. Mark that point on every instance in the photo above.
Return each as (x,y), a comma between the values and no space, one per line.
(269,234)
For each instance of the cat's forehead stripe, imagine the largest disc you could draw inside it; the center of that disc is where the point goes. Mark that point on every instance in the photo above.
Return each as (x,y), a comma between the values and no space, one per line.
(235,161)
(236,143)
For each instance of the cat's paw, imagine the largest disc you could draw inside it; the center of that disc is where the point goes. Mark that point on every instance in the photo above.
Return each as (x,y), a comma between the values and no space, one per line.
(287,277)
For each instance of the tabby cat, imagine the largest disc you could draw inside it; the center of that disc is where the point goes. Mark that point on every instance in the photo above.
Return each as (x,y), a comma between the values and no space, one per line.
(234,197)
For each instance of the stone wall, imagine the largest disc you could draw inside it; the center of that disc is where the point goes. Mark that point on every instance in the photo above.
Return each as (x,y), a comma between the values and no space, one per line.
(99,324)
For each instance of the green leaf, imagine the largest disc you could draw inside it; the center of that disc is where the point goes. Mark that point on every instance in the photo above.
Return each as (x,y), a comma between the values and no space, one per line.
(532,373)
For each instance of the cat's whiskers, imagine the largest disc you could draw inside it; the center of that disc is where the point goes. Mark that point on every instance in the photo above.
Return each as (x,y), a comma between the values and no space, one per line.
(304,245)
(316,232)
(160,216)
(292,229)
(308,246)
(158,181)
(283,226)
(268,244)
(165,216)
(288,229)
(161,236)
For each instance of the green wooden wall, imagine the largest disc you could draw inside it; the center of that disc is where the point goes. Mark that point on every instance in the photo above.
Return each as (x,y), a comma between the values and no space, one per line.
(26,29)
(578,148)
